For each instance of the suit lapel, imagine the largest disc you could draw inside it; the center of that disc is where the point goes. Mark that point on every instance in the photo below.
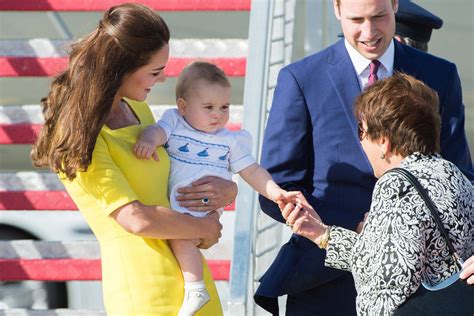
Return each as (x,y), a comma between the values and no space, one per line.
(344,80)
(402,61)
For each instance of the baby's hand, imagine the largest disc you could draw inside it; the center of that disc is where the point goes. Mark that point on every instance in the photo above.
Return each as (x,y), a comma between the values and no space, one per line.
(145,147)
(282,196)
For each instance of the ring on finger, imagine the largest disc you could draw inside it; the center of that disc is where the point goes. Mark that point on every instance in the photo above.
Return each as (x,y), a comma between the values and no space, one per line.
(288,224)
(205,200)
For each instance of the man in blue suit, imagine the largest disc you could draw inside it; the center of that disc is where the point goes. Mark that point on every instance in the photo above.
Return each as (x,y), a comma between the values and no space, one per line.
(311,144)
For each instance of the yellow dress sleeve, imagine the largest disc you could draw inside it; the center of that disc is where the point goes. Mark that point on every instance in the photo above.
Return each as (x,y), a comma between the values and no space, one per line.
(103,183)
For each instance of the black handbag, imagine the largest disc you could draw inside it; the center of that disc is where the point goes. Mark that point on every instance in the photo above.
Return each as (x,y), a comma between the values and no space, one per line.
(456,299)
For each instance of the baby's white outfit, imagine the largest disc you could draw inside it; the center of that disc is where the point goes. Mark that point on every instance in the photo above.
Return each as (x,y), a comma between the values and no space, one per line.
(195,154)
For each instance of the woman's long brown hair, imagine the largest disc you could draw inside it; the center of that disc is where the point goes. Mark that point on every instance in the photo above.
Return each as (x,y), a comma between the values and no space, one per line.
(81,97)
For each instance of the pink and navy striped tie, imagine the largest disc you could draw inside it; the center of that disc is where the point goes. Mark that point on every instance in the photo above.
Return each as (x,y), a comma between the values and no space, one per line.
(374,67)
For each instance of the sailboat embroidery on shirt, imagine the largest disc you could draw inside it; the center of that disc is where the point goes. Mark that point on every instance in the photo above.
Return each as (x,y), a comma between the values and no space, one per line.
(203,153)
(184,148)
(224,157)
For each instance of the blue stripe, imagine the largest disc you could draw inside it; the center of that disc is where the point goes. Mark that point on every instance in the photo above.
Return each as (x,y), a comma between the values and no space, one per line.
(196,163)
(200,142)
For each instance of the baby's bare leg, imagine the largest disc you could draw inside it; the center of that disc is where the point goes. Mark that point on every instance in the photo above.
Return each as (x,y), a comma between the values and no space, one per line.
(190,261)
(189,258)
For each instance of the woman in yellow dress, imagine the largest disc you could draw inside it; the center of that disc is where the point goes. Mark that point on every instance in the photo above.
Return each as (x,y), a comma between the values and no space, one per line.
(93,116)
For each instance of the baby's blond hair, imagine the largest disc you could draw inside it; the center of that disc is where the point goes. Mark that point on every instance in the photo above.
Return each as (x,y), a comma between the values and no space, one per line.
(196,71)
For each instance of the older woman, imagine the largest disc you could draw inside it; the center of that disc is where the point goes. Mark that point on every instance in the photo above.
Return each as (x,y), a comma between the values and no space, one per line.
(93,116)
(400,245)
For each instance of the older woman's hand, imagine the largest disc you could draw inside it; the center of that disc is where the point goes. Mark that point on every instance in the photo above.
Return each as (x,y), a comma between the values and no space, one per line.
(303,219)
(214,227)
(217,192)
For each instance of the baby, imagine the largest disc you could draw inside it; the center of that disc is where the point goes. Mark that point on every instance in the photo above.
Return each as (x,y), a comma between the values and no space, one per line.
(198,144)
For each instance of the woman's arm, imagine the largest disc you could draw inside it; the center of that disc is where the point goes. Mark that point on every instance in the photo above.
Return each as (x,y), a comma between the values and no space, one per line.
(304,221)
(162,223)
(220,192)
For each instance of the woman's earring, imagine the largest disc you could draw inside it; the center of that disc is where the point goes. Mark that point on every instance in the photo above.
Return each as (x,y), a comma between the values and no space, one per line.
(382,156)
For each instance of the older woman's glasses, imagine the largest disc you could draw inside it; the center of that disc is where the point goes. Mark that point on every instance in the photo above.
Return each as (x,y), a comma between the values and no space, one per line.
(360,130)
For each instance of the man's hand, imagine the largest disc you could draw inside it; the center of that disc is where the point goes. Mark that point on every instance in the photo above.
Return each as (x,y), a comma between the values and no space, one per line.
(218,191)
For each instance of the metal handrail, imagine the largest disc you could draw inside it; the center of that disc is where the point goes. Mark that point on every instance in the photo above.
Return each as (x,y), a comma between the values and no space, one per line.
(242,269)
(270,46)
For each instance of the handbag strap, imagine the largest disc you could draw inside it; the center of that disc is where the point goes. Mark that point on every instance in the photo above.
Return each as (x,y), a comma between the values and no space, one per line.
(432,207)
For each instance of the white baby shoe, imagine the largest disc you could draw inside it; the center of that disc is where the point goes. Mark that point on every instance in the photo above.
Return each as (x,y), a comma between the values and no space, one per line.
(193,301)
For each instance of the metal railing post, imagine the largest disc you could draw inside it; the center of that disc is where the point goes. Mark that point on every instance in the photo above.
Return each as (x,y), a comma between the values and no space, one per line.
(254,98)
(257,237)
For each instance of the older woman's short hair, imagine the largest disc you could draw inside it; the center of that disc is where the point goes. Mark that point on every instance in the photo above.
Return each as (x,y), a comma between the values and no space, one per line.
(403,109)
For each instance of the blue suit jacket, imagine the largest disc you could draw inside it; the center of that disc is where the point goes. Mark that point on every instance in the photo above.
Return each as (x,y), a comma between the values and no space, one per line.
(311,144)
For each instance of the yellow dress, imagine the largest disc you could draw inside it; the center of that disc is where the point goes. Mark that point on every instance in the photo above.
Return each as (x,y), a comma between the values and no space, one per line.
(140,276)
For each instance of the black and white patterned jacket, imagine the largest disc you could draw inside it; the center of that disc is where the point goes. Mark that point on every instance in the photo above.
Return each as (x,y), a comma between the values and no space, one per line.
(400,245)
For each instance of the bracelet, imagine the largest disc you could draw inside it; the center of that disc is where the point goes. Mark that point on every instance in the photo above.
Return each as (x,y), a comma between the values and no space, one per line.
(323,244)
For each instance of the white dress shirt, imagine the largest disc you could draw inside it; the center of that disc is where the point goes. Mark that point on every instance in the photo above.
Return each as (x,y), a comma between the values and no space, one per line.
(362,64)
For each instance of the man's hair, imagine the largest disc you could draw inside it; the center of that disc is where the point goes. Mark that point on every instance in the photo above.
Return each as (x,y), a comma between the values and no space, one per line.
(404,110)
(338,2)
(196,71)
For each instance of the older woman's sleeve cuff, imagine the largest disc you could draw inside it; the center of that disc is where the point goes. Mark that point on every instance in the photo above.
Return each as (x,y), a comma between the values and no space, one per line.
(339,248)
